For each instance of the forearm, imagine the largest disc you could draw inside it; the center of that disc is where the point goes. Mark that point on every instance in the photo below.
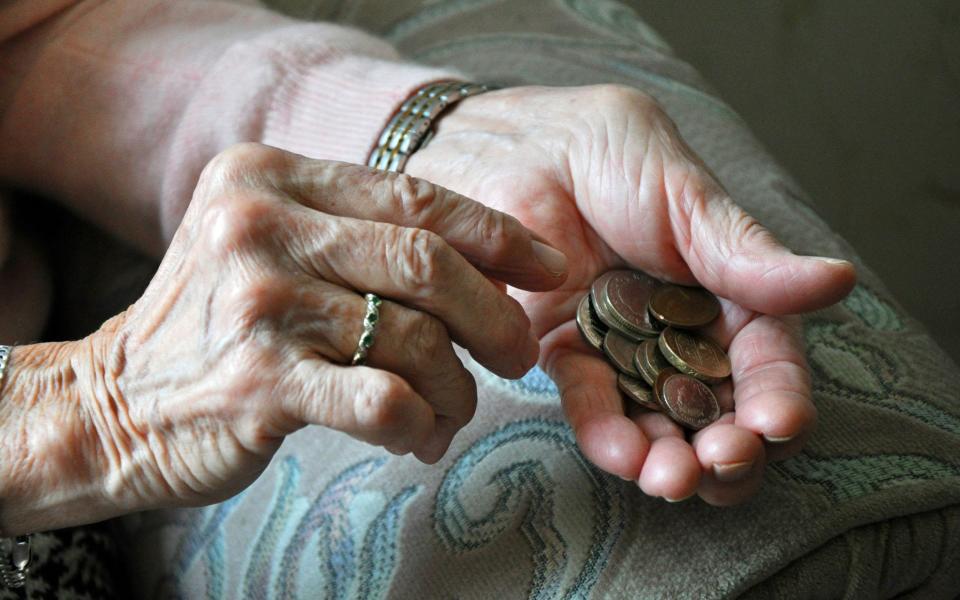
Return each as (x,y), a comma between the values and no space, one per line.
(51,470)
(115,107)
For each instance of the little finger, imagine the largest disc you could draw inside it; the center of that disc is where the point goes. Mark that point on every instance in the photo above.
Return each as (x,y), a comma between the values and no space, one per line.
(369,404)
(406,342)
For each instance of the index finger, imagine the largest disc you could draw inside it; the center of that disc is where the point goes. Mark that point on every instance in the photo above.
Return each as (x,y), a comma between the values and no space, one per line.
(495,243)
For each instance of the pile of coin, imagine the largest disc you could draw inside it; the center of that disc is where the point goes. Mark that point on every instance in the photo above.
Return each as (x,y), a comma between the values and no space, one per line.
(644,328)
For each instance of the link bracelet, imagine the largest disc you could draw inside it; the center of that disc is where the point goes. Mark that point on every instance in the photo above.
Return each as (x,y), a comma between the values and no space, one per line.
(411,127)
(14,552)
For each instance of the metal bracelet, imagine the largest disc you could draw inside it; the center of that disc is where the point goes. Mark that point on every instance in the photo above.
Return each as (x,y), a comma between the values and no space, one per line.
(15,562)
(410,128)
(5,352)
(15,557)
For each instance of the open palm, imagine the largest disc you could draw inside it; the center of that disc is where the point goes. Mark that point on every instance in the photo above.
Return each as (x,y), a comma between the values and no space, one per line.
(602,174)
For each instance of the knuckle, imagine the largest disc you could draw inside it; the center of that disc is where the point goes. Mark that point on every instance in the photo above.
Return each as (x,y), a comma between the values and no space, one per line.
(414,197)
(426,338)
(382,407)
(262,301)
(422,257)
(238,164)
(497,232)
(236,222)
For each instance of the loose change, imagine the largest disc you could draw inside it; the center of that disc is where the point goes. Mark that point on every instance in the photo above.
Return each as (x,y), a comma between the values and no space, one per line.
(644,328)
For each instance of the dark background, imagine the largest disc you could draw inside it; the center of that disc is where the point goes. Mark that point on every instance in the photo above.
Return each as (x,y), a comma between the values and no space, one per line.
(860,100)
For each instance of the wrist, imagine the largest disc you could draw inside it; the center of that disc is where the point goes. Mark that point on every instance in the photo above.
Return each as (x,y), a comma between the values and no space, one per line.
(51,461)
(338,114)
(413,124)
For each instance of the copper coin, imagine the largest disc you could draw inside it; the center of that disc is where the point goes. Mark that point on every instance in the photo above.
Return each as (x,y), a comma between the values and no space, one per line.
(649,361)
(681,306)
(661,379)
(596,288)
(695,355)
(590,328)
(689,401)
(620,351)
(638,391)
(604,311)
(628,293)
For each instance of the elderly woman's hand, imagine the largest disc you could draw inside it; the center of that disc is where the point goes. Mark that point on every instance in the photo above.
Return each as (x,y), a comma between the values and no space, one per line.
(246,332)
(603,173)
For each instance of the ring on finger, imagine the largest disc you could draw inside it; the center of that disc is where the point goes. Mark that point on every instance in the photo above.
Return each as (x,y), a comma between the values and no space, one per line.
(370,321)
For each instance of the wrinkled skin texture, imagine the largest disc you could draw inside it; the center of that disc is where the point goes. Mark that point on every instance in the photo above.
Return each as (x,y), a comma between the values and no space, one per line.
(602,173)
(245,331)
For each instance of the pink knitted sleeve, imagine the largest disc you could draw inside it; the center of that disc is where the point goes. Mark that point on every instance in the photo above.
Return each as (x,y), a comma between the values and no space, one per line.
(115,106)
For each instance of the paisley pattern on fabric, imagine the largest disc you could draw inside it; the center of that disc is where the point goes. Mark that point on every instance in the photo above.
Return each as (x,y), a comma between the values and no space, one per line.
(847,366)
(344,542)
(353,534)
(258,575)
(847,477)
(204,529)
(872,310)
(471,514)
(535,387)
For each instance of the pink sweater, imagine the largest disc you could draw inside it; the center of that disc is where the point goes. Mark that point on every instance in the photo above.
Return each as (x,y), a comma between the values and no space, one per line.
(115,106)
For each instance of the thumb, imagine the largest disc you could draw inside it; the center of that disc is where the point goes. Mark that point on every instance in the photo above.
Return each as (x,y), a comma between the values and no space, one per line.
(733,255)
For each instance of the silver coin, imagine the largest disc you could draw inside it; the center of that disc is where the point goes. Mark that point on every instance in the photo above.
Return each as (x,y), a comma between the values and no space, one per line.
(638,391)
(590,328)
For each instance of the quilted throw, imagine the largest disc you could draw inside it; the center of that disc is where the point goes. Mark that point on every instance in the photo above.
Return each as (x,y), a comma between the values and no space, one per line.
(870,509)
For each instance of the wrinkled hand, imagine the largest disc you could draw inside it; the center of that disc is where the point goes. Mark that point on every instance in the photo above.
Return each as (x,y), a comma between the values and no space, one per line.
(603,174)
(244,334)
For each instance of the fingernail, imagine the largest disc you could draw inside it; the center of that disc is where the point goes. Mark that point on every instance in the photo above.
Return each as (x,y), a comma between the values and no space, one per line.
(778,440)
(552,259)
(831,261)
(674,501)
(732,471)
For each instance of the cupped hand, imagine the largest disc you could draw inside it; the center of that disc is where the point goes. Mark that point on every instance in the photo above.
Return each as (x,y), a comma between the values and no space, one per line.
(247,330)
(602,173)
